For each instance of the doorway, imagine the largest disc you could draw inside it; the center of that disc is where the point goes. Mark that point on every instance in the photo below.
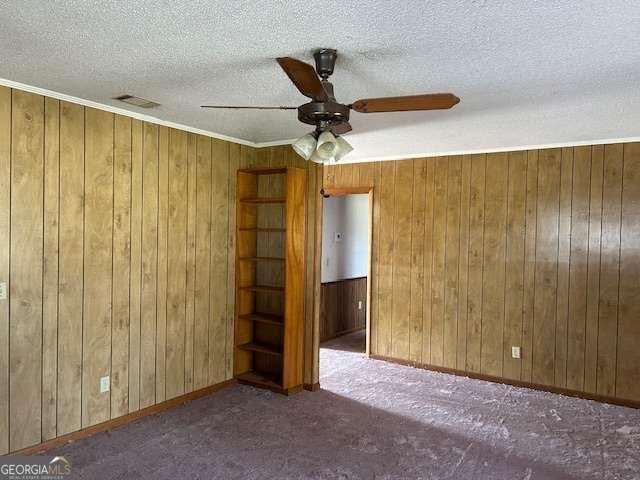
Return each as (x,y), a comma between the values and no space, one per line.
(345,276)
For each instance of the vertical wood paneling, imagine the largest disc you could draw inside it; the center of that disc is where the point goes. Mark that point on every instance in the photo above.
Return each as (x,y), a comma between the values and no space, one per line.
(149,279)
(5,208)
(529,246)
(177,264)
(50,267)
(191,262)
(385,257)
(428,261)
(564,252)
(476,241)
(234,164)
(495,207)
(70,288)
(219,270)
(452,263)
(546,272)
(609,270)
(401,290)
(163,247)
(529,265)
(438,260)
(375,255)
(578,267)
(628,370)
(26,268)
(203,257)
(121,265)
(94,217)
(417,259)
(98,235)
(137,146)
(463,266)
(593,269)
(514,275)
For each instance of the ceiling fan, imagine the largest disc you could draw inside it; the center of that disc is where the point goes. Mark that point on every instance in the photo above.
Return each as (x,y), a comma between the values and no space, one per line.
(330,117)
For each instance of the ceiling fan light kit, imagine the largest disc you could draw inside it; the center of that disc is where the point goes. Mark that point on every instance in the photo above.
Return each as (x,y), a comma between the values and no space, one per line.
(331,118)
(305,146)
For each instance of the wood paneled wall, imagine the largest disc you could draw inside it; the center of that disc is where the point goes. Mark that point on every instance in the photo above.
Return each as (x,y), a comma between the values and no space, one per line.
(539,249)
(339,312)
(117,246)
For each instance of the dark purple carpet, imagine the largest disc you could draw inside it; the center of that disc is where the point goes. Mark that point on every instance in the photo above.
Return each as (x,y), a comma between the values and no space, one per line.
(372,420)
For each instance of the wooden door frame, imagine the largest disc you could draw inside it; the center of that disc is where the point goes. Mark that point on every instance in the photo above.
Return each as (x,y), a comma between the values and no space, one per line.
(342,192)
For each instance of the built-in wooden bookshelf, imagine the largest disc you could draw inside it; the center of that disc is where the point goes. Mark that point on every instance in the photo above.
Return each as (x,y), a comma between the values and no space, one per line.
(270,239)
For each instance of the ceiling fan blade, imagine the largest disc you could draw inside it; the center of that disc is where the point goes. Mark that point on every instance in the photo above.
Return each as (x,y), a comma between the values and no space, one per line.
(341,128)
(248,108)
(304,77)
(433,101)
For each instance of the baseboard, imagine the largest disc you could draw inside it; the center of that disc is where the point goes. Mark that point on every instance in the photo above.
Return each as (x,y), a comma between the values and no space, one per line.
(342,333)
(312,387)
(516,383)
(123,420)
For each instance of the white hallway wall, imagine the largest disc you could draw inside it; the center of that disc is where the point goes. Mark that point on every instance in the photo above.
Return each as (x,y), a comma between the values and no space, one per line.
(347,258)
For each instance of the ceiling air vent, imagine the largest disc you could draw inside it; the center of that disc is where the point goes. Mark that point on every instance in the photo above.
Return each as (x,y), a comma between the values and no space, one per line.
(137,101)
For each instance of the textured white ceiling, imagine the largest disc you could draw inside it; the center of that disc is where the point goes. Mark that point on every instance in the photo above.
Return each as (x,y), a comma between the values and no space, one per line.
(528,72)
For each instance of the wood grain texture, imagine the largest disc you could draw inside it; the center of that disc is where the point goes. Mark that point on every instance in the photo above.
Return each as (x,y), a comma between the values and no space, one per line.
(26,269)
(564,256)
(163,249)
(438,266)
(593,269)
(50,268)
(177,264)
(531,212)
(149,278)
(93,227)
(628,373)
(401,260)
(536,247)
(98,273)
(191,263)
(495,207)
(339,313)
(217,331)
(417,259)
(121,267)
(514,268)
(578,267)
(475,268)
(202,267)
(609,270)
(137,145)
(452,262)
(546,272)
(70,293)
(5,209)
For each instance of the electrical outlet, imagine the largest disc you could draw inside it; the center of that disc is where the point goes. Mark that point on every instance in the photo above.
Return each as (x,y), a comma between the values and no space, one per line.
(3,290)
(359,304)
(104,384)
(515,352)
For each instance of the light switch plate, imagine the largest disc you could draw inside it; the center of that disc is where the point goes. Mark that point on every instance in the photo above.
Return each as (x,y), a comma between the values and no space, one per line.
(104,384)
(3,290)
(359,304)
(515,352)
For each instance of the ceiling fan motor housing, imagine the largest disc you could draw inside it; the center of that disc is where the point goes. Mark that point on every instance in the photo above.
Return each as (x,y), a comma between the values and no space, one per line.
(325,61)
(323,114)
